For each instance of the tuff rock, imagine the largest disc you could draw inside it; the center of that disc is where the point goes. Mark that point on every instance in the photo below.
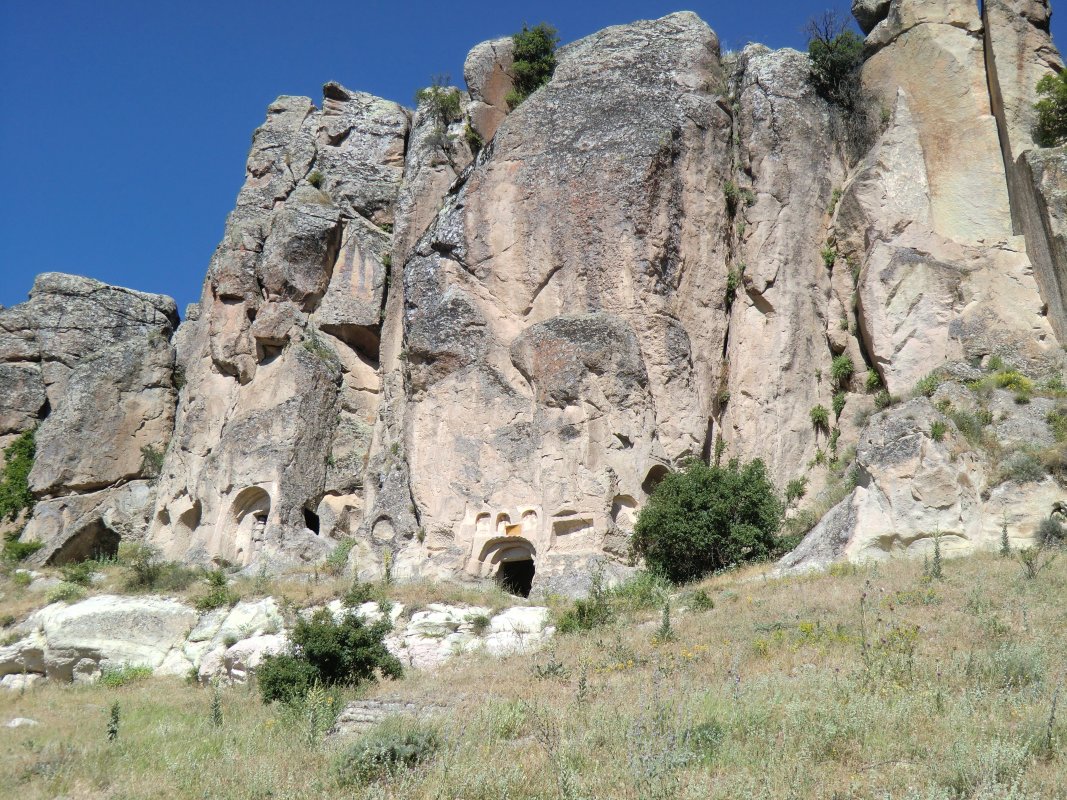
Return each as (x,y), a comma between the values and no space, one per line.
(474,345)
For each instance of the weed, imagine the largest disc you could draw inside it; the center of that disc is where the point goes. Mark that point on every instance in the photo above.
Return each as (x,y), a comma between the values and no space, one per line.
(114,677)
(337,560)
(829,256)
(820,418)
(928,385)
(552,669)
(839,404)
(883,400)
(1051,532)
(1033,562)
(151,461)
(216,707)
(665,633)
(316,178)
(835,198)
(479,624)
(113,723)
(937,430)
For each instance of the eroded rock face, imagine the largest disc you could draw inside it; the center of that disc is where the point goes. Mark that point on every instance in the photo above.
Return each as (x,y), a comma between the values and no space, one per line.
(926,226)
(545,261)
(280,365)
(914,486)
(92,365)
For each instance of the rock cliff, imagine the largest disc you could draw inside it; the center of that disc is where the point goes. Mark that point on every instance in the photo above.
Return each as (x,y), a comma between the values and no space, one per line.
(473,338)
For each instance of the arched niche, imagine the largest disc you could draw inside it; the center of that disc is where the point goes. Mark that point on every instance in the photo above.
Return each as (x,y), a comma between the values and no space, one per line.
(655,474)
(529,523)
(624,511)
(248,517)
(502,522)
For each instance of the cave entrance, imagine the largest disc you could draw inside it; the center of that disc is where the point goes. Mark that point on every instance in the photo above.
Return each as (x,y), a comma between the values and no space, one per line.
(94,541)
(516,577)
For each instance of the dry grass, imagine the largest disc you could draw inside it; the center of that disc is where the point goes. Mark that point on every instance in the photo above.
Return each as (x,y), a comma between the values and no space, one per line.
(862,683)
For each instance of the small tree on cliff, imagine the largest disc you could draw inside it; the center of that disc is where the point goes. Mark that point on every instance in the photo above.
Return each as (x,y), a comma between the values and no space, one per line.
(534,61)
(1051,127)
(708,517)
(836,54)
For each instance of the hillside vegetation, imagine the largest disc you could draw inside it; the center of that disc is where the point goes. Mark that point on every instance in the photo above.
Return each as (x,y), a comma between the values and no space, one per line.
(870,682)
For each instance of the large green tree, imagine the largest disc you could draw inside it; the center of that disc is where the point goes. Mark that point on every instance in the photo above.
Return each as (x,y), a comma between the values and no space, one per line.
(708,517)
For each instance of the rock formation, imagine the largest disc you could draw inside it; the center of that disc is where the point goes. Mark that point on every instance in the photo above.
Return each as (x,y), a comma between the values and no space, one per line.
(474,340)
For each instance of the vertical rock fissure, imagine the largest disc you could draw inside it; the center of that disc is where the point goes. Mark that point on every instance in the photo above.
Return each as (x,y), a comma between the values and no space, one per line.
(996,108)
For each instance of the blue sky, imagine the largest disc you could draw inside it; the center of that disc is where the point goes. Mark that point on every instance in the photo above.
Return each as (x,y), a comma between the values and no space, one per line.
(125,125)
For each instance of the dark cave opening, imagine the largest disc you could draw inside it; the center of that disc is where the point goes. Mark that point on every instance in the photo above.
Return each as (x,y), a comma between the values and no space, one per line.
(516,577)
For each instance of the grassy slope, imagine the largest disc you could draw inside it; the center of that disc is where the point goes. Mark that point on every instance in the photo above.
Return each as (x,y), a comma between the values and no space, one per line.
(771,694)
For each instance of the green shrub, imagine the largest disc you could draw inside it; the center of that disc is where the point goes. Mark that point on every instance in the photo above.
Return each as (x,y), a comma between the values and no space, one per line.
(442,101)
(795,490)
(344,653)
(474,139)
(835,198)
(358,594)
(114,677)
(65,593)
(216,597)
(1050,129)
(700,600)
(836,55)
(873,381)
(480,623)
(829,256)
(883,400)
(589,612)
(736,197)
(820,418)
(315,178)
(15,494)
(1014,381)
(1051,532)
(643,590)
(841,370)
(1024,468)
(708,517)
(534,61)
(967,424)
(386,751)
(15,551)
(733,283)
(22,578)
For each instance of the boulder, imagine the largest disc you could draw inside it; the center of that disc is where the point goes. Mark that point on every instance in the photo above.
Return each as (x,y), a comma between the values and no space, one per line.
(78,640)
(869,13)
(489,78)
